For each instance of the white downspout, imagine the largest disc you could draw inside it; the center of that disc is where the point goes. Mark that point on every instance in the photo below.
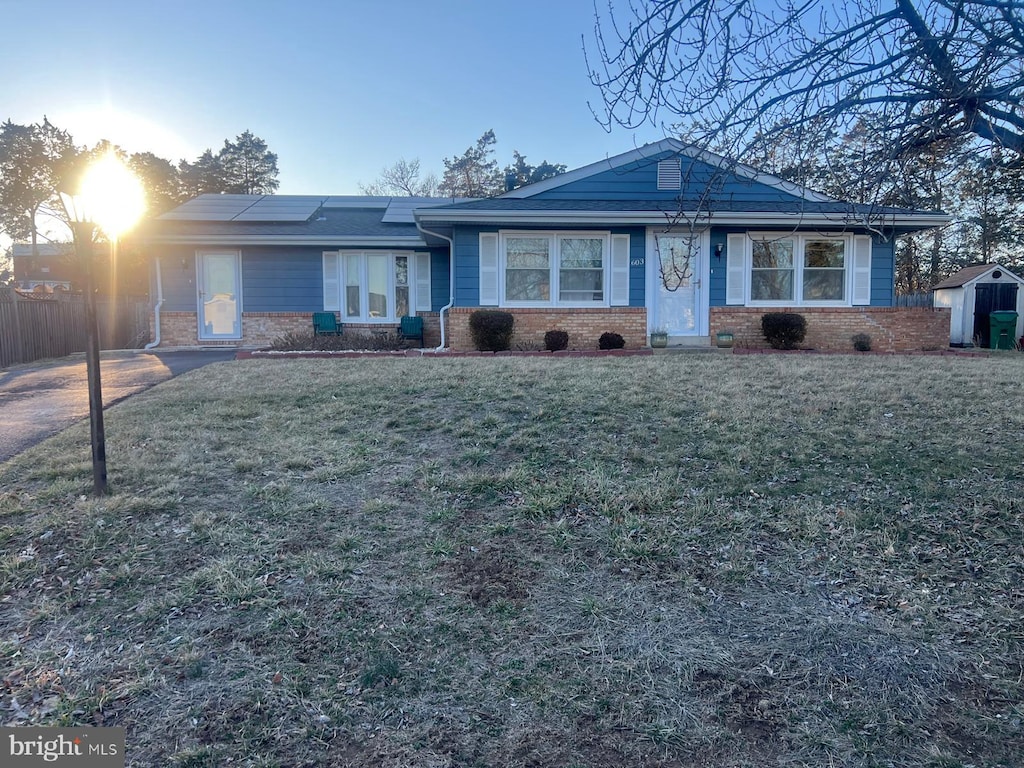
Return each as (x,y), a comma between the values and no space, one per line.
(451,281)
(156,310)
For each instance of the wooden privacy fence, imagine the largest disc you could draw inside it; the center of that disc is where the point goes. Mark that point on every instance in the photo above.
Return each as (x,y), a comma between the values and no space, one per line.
(923,299)
(34,329)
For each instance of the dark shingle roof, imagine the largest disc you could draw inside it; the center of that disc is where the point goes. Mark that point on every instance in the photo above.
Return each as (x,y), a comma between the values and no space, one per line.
(730,205)
(965,275)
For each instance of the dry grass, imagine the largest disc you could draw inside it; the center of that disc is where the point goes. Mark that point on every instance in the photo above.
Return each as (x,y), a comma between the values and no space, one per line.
(675,561)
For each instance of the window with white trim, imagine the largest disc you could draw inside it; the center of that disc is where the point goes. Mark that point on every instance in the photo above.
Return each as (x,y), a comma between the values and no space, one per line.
(799,269)
(375,286)
(554,268)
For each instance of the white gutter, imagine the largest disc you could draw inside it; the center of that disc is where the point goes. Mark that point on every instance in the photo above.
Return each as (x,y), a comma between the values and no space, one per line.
(156,310)
(451,281)
(640,218)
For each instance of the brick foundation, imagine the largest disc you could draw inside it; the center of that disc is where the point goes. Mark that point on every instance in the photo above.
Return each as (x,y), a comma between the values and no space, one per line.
(259,329)
(584,326)
(892,329)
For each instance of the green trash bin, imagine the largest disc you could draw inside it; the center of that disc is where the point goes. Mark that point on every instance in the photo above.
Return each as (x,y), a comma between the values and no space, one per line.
(1002,330)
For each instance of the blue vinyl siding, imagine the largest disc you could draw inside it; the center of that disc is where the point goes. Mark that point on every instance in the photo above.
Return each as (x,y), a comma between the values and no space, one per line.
(274,279)
(716,289)
(637,263)
(639,181)
(466,242)
(883,292)
(178,276)
(440,280)
(467,261)
(282,279)
(883,272)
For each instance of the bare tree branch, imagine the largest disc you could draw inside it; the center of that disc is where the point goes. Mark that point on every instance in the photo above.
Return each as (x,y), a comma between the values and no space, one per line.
(932,68)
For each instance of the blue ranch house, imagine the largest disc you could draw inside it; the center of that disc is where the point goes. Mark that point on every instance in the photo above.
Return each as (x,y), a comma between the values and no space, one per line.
(664,237)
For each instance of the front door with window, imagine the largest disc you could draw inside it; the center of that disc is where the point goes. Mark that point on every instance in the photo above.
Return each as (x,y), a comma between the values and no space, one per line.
(676,273)
(218,284)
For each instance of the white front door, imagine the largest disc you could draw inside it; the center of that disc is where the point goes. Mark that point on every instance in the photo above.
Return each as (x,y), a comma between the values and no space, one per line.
(676,280)
(219,287)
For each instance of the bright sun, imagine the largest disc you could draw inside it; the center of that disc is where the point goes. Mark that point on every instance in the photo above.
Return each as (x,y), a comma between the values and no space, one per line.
(114,196)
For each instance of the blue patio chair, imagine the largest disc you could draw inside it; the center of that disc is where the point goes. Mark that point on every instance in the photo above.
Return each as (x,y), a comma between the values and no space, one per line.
(411,328)
(326,324)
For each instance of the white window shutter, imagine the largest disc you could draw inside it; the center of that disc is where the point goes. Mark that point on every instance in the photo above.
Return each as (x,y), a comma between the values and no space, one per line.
(861,270)
(488,269)
(619,293)
(422,302)
(332,283)
(735,268)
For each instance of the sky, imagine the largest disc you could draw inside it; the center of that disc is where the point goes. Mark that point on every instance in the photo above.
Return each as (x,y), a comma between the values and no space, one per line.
(339,90)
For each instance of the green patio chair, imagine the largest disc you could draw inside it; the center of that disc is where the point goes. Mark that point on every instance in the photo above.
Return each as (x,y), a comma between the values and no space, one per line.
(411,328)
(326,324)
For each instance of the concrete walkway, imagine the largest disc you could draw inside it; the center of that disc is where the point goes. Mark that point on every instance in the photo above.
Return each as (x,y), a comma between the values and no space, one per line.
(39,401)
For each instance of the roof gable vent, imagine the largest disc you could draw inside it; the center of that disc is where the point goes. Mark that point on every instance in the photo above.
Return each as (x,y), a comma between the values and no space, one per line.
(670,174)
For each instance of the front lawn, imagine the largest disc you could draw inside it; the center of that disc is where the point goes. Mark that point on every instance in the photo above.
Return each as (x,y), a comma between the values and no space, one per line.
(675,560)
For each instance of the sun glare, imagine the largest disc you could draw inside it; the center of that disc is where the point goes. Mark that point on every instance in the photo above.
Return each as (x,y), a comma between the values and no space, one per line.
(113,195)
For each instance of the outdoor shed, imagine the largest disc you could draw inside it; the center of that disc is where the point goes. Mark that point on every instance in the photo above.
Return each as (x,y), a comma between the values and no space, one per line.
(971,295)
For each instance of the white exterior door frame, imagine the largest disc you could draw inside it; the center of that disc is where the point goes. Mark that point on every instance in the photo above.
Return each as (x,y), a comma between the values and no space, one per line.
(219,294)
(657,301)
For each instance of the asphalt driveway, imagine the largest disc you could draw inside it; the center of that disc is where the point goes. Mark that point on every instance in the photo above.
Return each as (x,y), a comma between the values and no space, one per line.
(37,402)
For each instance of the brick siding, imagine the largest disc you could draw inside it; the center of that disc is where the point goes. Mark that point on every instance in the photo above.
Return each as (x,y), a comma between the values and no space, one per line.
(892,329)
(584,326)
(259,329)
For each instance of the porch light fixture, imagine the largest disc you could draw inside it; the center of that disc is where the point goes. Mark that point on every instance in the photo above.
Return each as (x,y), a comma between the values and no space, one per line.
(718,251)
(109,198)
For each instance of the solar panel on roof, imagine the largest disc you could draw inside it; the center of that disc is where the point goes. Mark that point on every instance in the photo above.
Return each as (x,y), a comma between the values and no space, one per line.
(211,208)
(267,208)
(271,216)
(291,208)
(400,210)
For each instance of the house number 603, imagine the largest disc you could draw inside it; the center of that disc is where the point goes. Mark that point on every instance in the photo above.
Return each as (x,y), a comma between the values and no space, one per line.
(636,262)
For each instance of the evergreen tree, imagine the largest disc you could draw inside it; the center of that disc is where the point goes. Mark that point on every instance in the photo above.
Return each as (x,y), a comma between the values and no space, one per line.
(475,173)
(247,166)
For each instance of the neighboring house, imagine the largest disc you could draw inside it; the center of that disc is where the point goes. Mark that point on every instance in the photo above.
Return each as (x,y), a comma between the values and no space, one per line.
(660,237)
(46,269)
(972,294)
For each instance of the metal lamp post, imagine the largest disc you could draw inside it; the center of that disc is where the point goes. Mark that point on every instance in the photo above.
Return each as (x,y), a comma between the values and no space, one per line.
(109,198)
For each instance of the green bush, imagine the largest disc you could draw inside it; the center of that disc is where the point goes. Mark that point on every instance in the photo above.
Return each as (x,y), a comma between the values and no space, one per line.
(783,330)
(556,340)
(491,330)
(861,342)
(610,340)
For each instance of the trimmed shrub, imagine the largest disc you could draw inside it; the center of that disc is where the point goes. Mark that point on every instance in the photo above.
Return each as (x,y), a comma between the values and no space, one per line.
(783,330)
(491,330)
(611,341)
(556,340)
(861,342)
(307,342)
